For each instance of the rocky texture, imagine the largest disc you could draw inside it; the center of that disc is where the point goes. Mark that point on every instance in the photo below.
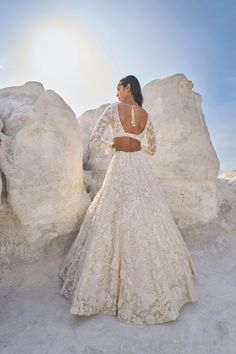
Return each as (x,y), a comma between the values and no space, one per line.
(47,168)
(43,194)
(186,163)
(226,193)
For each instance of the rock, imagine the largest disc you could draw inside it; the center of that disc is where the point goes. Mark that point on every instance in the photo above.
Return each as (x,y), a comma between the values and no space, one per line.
(41,163)
(186,164)
(226,192)
(49,176)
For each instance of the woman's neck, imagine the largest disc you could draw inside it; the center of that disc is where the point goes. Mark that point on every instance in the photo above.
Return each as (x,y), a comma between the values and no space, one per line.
(130,102)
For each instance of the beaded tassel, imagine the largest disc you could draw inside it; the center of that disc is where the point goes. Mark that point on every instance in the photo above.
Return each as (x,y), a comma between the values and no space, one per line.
(132,117)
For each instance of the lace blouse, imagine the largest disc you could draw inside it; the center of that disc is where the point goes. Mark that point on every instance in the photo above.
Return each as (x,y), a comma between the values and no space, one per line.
(110,117)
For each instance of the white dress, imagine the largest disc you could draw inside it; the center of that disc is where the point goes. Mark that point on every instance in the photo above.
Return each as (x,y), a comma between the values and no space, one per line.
(129,259)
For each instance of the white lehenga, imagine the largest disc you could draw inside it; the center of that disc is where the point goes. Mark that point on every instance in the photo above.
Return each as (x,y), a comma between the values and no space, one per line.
(129,258)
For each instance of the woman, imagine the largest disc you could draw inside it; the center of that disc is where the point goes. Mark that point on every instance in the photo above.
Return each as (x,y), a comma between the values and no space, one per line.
(129,258)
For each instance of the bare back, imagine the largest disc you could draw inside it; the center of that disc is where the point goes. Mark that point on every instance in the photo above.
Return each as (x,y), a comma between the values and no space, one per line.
(126,143)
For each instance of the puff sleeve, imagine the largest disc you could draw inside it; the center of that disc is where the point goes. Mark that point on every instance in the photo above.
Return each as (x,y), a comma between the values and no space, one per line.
(150,145)
(96,140)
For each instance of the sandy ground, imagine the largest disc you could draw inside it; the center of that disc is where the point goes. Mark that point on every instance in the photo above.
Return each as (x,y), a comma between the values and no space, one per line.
(35,318)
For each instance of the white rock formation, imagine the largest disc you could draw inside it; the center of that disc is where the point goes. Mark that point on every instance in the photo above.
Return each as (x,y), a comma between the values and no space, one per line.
(1,126)
(226,192)
(186,163)
(41,160)
(44,150)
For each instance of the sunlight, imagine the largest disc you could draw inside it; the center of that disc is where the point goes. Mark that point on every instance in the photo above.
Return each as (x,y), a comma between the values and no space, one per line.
(64,55)
(54,51)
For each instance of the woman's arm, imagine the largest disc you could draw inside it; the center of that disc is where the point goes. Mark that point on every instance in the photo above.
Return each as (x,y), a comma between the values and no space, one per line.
(96,140)
(150,146)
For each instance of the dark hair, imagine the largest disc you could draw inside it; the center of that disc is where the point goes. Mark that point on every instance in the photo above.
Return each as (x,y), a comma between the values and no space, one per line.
(134,87)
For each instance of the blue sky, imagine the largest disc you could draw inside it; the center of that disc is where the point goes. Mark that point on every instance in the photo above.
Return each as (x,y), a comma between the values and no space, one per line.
(149,39)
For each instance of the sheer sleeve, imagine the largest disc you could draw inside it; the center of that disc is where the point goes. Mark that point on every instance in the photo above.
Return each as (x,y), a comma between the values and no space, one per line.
(96,140)
(150,145)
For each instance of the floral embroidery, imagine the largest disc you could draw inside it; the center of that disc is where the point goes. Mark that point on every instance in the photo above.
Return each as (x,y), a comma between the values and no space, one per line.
(110,118)
(129,258)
